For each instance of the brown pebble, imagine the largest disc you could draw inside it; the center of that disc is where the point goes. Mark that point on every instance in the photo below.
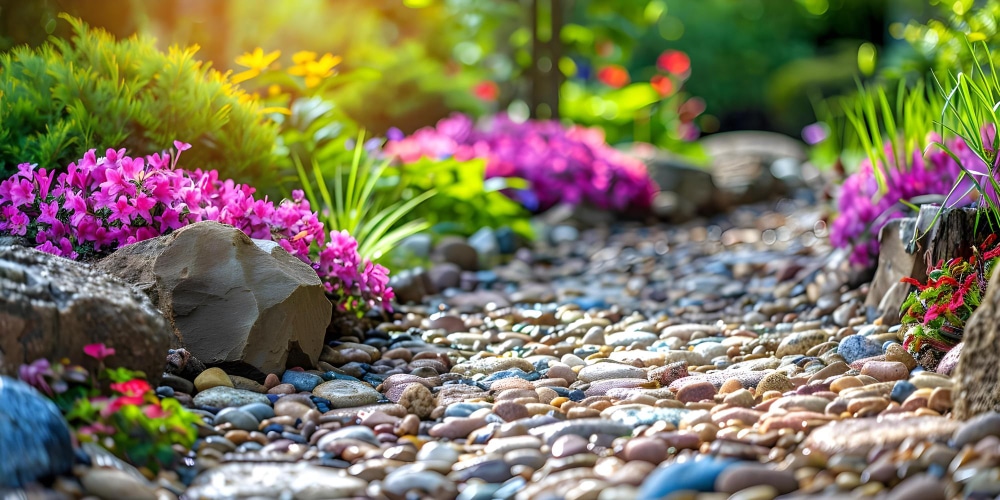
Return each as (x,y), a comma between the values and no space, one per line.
(730,386)
(282,389)
(510,411)
(271,381)
(775,381)
(896,352)
(885,371)
(845,383)
(696,391)
(940,400)
(650,450)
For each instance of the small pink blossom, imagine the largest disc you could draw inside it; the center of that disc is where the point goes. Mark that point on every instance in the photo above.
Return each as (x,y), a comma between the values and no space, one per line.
(98,351)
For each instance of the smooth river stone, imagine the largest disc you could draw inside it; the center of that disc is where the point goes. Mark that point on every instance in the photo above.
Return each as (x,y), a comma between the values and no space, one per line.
(645,358)
(347,393)
(858,436)
(745,475)
(585,427)
(695,392)
(685,331)
(626,339)
(636,416)
(607,370)
(748,379)
(224,397)
(694,475)
(601,387)
(275,480)
(486,366)
(856,347)
(801,342)
(885,371)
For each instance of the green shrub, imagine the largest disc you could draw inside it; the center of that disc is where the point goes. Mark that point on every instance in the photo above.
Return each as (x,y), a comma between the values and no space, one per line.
(68,96)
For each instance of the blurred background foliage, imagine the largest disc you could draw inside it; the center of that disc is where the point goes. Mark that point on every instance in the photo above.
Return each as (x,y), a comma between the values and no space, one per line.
(754,64)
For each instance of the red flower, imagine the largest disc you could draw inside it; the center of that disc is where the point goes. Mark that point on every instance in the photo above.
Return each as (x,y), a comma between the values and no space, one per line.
(98,351)
(662,84)
(132,388)
(613,75)
(154,411)
(487,91)
(118,402)
(674,61)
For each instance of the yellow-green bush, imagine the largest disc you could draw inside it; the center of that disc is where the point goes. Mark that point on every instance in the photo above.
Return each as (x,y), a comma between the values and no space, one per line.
(93,91)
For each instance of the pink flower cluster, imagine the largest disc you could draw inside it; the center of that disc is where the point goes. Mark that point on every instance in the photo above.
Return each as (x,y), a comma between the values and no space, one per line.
(863,211)
(563,165)
(101,204)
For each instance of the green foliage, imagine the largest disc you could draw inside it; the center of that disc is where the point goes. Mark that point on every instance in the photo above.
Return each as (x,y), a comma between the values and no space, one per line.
(464,202)
(131,421)
(374,218)
(66,97)
(970,113)
(889,134)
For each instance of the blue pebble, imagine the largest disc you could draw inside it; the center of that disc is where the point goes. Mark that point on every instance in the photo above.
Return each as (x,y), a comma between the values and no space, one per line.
(696,475)
(917,370)
(273,428)
(885,346)
(320,401)
(857,347)
(165,391)
(272,398)
(302,381)
(576,395)
(332,375)
(259,410)
(510,488)
(510,373)
(294,437)
(464,409)
(936,470)
(589,302)
(561,391)
(374,379)
(902,390)
(479,491)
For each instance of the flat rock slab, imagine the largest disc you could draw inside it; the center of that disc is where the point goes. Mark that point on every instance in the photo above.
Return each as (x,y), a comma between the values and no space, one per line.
(300,481)
(859,436)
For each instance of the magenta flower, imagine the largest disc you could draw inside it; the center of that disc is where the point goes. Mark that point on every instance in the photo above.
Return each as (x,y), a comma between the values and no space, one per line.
(102,203)
(98,351)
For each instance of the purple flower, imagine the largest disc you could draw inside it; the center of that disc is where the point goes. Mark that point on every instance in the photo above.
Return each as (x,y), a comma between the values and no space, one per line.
(562,165)
(35,375)
(815,133)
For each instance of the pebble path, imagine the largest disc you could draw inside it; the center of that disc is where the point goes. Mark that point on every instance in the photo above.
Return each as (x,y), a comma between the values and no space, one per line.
(728,360)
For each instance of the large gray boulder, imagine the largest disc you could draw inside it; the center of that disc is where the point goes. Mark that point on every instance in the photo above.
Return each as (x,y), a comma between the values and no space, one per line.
(230,299)
(35,438)
(51,307)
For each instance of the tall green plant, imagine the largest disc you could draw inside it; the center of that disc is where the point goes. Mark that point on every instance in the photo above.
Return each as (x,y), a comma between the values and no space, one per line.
(357,206)
(888,134)
(970,112)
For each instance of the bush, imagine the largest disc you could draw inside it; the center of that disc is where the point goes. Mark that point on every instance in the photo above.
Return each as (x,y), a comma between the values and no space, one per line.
(563,165)
(61,99)
(100,204)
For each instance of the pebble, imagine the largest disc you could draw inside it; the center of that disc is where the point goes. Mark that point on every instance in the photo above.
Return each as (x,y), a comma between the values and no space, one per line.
(222,397)
(700,362)
(347,393)
(212,377)
(238,418)
(856,347)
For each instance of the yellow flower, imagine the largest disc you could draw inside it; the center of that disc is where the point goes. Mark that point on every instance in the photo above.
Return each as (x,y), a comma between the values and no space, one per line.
(314,71)
(274,90)
(257,61)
